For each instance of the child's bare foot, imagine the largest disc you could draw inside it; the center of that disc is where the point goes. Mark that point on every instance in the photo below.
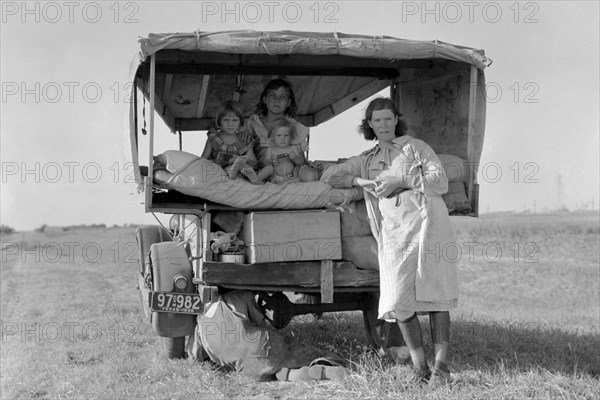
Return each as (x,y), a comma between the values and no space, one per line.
(235,168)
(249,173)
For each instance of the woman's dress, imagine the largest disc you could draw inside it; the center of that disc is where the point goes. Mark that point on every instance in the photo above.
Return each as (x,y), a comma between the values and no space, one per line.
(417,254)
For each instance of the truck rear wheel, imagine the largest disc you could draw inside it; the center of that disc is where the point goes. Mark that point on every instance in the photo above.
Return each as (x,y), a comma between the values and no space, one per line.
(145,237)
(173,348)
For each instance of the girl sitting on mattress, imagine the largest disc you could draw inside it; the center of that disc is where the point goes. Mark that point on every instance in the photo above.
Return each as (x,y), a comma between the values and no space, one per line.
(229,146)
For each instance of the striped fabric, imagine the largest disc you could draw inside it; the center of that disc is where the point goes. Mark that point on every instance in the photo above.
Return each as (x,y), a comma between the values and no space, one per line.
(223,154)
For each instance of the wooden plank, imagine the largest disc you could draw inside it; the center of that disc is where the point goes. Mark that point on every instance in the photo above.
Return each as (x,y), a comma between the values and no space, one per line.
(293,69)
(167,88)
(207,254)
(203,124)
(298,289)
(165,114)
(350,100)
(304,274)
(202,96)
(306,120)
(326,281)
(163,111)
(197,255)
(147,193)
(273,62)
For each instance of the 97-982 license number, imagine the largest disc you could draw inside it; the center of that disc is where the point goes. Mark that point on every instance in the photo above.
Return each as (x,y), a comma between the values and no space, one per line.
(183,303)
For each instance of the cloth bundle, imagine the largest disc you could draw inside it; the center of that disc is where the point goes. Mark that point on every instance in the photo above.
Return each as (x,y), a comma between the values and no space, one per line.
(458,174)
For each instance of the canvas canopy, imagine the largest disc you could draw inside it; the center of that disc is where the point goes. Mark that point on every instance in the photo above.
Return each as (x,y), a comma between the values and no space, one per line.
(330,72)
(311,43)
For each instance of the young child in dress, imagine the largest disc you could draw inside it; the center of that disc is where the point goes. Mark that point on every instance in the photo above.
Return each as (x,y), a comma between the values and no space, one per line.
(229,147)
(282,157)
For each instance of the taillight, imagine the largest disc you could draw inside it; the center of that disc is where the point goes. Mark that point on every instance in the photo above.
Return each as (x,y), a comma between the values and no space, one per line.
(180,283)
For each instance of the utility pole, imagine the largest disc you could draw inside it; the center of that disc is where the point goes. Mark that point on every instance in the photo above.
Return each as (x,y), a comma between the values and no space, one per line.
(560,193)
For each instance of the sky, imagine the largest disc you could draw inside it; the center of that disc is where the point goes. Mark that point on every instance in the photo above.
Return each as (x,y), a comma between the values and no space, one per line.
(64,69)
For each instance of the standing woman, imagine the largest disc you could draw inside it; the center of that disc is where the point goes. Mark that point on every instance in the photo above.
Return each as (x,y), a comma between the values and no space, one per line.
(403,181)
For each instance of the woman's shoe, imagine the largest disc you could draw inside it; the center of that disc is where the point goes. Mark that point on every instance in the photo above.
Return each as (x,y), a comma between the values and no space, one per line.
(329,367)
(420,375)
(294,374)
(439,377)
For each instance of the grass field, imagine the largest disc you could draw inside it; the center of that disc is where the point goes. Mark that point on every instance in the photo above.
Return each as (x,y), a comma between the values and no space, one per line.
(528,323)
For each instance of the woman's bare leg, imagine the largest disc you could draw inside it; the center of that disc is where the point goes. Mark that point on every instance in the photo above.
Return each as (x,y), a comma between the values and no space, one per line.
(439,322)
(411,331)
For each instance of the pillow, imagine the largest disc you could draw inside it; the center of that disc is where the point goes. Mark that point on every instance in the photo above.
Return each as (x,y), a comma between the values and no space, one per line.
(361,250)
(455,167)
(456,198)
(355,221)
(174,160)
(328,170)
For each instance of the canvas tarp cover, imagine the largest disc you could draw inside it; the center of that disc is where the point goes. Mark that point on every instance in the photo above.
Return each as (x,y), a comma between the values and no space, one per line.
(290,42)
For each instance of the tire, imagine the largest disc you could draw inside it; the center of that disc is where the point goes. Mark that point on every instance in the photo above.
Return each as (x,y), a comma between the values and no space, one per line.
(173,348)
(144,300)
(146,236)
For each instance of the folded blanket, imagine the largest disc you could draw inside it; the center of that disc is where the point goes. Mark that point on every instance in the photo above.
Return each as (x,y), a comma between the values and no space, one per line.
(202,178)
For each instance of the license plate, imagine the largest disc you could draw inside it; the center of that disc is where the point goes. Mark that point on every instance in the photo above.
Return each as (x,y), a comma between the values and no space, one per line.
(181,303)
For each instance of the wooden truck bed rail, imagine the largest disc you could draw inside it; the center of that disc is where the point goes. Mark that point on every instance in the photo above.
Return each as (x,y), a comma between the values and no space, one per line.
(325,277)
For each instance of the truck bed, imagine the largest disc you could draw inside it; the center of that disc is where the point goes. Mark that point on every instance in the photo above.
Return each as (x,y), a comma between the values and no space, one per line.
(308,276)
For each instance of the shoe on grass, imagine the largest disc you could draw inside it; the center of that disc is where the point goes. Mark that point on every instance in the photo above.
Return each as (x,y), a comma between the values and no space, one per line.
(329,367)
(294,374)
(322,372)
(420,375)
(439,377)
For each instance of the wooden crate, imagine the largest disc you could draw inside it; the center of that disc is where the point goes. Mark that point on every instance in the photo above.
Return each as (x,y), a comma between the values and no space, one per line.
(282,236)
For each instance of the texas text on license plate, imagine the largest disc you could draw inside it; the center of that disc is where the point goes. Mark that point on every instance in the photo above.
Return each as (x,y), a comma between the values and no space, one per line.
(183,303)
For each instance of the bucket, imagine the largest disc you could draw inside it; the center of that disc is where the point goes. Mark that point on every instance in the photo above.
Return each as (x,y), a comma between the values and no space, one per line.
(232,257)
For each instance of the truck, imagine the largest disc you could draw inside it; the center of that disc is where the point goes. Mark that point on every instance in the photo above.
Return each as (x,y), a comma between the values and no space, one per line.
(183,77)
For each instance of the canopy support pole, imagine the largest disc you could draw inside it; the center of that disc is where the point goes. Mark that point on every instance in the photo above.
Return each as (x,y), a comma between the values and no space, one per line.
(151,123)
(471,184)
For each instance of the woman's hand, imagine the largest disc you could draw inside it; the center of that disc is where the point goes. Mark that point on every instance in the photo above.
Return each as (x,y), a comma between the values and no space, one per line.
(387,185)
(367,184)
